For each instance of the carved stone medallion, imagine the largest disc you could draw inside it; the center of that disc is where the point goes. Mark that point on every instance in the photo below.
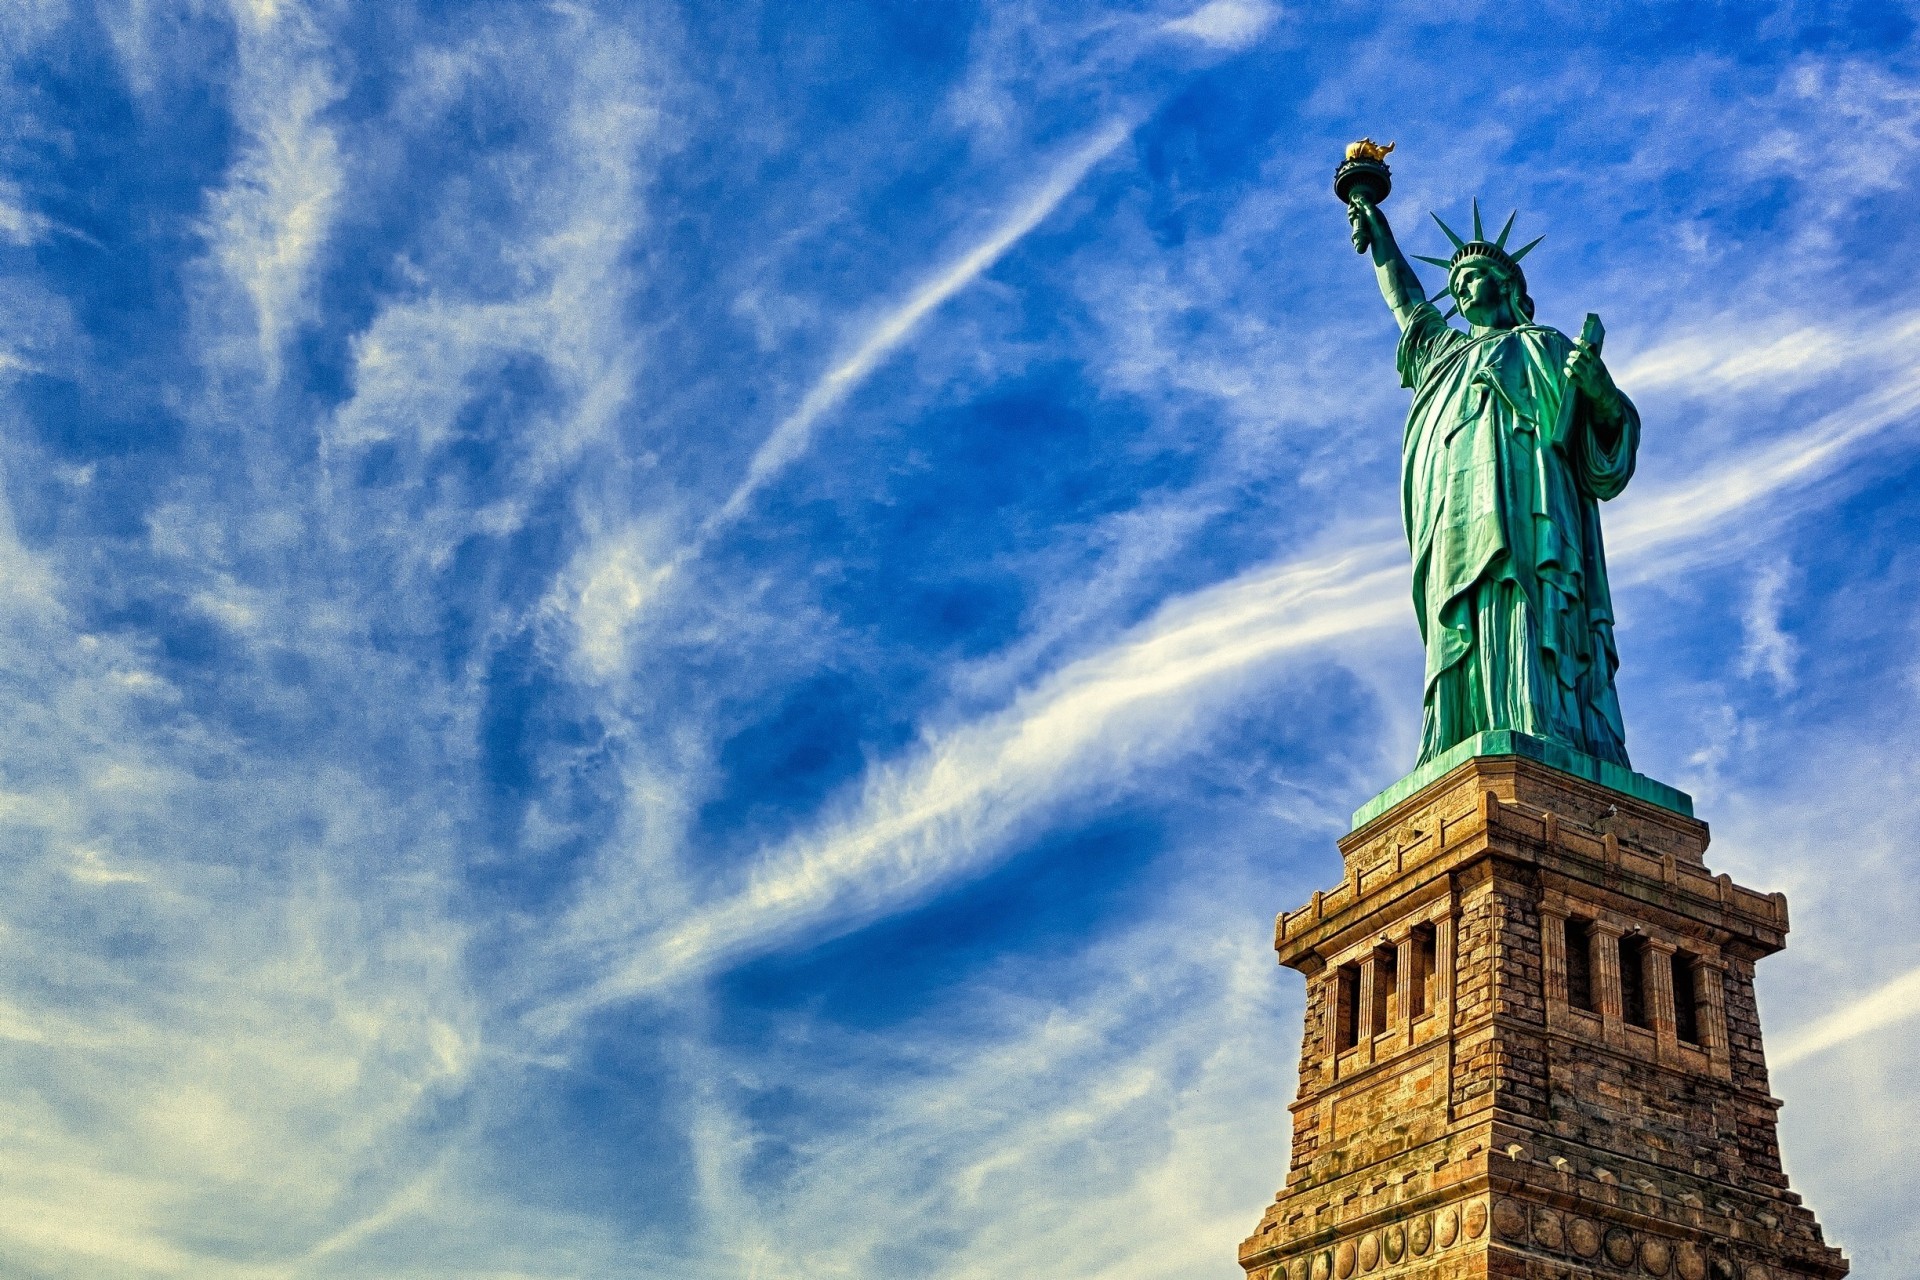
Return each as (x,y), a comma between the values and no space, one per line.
(1688,1262)
(1655,1255)
(1476,1219)
(1393,1242)
(1548,1232)
(1620,1247)
(1343,1260)
(1509,1219)
(1448,1229)
(1584,1237)
(1420,1235)
(1369,1252)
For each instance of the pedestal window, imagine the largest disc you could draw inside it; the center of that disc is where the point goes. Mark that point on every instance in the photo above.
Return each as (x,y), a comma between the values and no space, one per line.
(1634,1006)
(1346,1007)
(1579,957)
(1686,998)
(1386,983)
(1425,957)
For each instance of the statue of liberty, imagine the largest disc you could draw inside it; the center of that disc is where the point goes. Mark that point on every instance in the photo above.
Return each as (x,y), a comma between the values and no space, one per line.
(1515,436)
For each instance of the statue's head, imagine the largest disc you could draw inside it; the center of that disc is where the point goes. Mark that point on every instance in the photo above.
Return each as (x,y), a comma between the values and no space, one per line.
(1485,280)
(1488,286)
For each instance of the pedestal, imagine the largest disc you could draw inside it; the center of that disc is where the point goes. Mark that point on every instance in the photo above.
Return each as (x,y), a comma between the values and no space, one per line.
(1532,1047)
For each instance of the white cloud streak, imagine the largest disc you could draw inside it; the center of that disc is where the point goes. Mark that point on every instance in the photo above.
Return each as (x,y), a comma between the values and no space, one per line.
(268,225)
(952,808)
(1896,1002)
(1743,481)
(1768,646)
(1225,24)
(790,439)
(1139,1114)
(613,582)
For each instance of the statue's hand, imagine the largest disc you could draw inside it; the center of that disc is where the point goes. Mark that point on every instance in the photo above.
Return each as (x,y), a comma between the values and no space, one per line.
(1588,372)
(1365,221)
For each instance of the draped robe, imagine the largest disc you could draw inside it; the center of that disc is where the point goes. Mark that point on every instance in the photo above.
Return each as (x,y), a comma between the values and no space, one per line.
(1503,469)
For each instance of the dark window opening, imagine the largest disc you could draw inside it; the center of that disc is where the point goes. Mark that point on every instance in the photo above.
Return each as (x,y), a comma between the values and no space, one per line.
(1579,953)
(1346,1007)
(1686,998)
(1633,980)
(1426,956)
(1386,982)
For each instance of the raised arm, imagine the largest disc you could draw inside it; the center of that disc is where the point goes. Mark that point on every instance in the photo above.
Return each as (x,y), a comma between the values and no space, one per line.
(1398,285)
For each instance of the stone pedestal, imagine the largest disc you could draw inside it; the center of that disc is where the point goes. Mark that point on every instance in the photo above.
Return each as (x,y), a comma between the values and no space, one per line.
(1532,1048)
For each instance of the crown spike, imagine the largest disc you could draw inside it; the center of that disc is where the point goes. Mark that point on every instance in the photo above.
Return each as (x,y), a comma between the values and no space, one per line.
(1442,263)
(1451,313)
(1501,240)
(1479,232)
(1528,248)
(1458,243)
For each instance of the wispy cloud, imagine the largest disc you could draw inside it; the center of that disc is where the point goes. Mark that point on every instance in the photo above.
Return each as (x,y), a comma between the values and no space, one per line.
(1740,482)
(18,223)
(953,805)
(1230,24)
(1115,1099)
(268,225)
(237,984)
(1887,1006)
(428,364)
(614,582)
(790,439)
(1768,647)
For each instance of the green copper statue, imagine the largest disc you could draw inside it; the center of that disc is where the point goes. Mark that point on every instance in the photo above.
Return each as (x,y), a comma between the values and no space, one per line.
(1516,434)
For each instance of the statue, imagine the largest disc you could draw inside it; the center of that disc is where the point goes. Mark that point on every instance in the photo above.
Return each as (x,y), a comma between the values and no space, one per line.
(1515,436)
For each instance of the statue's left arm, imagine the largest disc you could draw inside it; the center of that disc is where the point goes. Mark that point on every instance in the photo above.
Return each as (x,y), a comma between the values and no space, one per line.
(1611,423)
(1606,403)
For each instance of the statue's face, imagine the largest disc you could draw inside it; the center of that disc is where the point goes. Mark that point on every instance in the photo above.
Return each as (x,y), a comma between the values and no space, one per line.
(1481,293)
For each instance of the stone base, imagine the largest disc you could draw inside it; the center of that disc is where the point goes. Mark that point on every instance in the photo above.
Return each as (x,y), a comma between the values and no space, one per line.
(1506,742)
(1459,1209)
(1531,1048)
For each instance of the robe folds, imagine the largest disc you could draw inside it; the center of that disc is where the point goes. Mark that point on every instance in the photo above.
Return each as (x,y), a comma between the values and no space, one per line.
(1502,472)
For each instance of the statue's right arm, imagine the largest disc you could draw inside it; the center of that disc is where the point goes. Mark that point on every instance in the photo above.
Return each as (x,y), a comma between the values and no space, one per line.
(1398,285)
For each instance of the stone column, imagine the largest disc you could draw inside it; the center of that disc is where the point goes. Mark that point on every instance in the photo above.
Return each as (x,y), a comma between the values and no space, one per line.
(1369,994)
(1404,968)
(1443,970)
(1606,976)
(1710,978)
(1553,957)
(1659,985)
(1330,1023)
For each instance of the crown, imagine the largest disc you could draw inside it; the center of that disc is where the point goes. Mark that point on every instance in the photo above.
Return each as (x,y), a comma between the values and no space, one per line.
(1494,250)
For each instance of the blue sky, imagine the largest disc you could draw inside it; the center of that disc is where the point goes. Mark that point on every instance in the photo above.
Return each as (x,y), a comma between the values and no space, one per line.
(699,640)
